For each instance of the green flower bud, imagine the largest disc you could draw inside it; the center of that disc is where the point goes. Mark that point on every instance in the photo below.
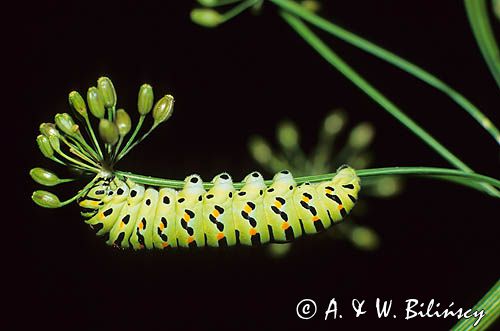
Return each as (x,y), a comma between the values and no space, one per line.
(260,150)
(145,99)
(54,142)
(206,17)
(44,145)
(66,124)
(163,109)
(46,199)
(49,130)
(44,177)
(76,101)
(361,136)
(107,91)
(288,135)
(95,102)
(108,131)
(311,5)
(123,122)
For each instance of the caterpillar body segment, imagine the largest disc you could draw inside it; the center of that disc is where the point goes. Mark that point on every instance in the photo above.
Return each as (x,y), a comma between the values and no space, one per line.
(249,218)
(165,226)
(139,217)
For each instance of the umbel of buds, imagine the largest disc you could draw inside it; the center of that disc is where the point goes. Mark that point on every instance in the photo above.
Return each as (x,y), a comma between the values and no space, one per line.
(65,143)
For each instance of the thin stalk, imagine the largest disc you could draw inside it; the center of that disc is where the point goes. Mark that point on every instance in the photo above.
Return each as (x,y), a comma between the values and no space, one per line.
(132,137)
(83,149)
(393,59)
(78,152)
(137,142)
(372,92)
(77,163)
(55,159)
(80,193)
(94,139)
(116,148)
(236,10)
(83,157)
(490,303)
(481,27)
(365,173)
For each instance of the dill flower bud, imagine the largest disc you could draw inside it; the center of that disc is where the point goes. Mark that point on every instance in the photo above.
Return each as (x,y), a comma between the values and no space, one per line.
(163,109)
(44,177)
(123,122)
(145,99)
(76,101)
(108,131)
(206,17)
(107,91)
(66,124)
(44,146)
(46,199)
(95,102)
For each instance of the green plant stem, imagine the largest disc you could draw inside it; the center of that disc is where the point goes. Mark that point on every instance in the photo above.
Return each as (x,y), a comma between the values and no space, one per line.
(94,139)
(236,10)
(378,97)
(125,149)
(83,147)
(77,163)
(365,173)
(78,152)
(391,58)
(490,303)
(480,23)
(137,142)
(80,193)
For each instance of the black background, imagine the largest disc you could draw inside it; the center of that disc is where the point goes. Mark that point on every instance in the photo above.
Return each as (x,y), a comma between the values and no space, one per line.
(438,240)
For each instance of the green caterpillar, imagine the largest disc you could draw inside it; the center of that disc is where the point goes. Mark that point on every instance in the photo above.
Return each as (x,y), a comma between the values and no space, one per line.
(159,216)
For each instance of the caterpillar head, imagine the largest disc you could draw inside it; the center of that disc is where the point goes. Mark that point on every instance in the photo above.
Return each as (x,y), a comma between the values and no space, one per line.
(74,141)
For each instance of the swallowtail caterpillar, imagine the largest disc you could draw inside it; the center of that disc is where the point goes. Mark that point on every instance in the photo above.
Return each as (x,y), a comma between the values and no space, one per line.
(144,212)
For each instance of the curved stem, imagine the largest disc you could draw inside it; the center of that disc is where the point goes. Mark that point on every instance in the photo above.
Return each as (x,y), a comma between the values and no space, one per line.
(490,304)
(391,58)
(365,173)
(480,24)
(372,92)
